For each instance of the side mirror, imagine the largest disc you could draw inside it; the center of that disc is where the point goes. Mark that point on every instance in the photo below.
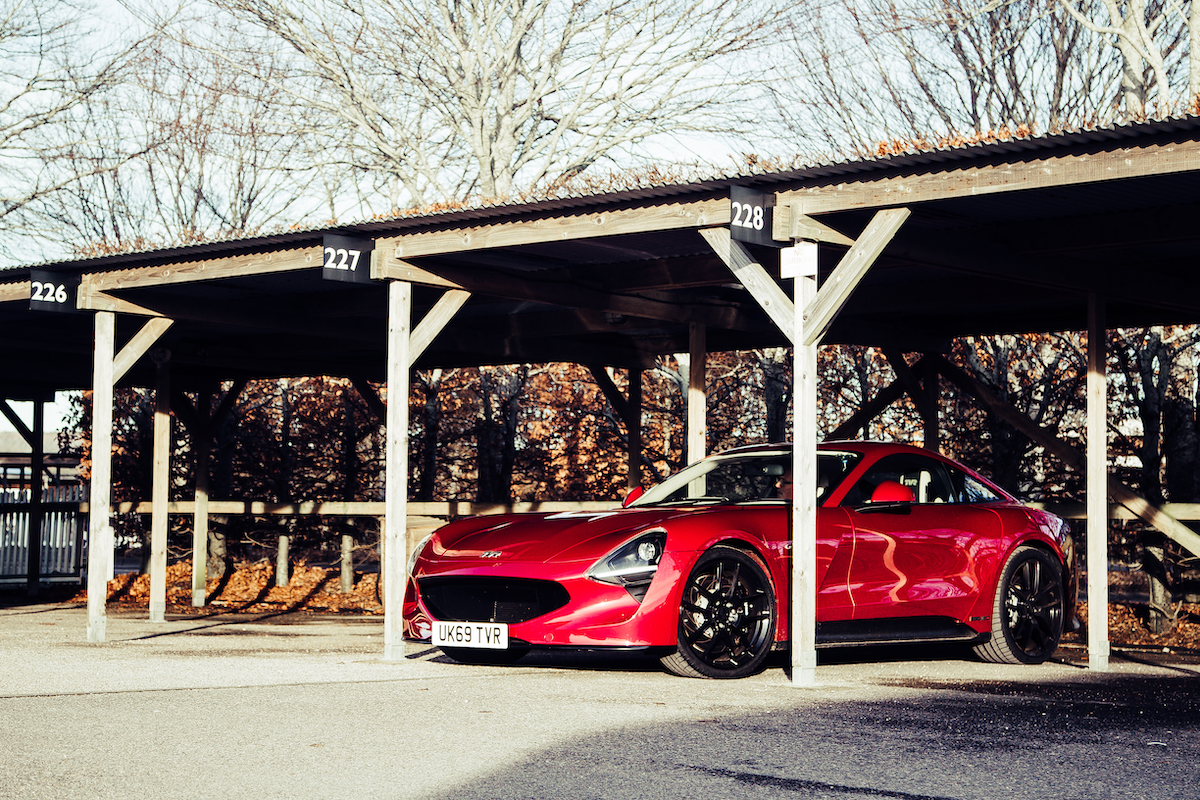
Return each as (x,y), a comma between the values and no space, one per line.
(632,495)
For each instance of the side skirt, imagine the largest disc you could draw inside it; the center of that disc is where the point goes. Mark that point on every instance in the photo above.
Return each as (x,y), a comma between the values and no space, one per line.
(894,631)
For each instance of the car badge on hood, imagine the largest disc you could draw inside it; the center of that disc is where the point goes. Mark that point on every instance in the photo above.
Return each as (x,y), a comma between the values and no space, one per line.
(490,554)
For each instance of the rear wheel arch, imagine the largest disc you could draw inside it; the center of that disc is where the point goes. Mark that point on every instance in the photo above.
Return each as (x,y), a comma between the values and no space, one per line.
(1029,607)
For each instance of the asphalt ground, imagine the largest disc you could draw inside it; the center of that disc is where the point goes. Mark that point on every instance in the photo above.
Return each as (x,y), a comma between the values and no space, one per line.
(295,706)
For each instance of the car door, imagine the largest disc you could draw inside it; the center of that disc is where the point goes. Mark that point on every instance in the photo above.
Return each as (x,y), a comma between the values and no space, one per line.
(915,558)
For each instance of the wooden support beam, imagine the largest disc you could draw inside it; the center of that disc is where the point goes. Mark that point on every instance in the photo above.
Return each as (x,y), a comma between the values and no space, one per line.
(630,412)
(371,397)
(202,447)
(837,288)
(1153,515)
(160,487)
(253,264)
(15,291)
(697,395)
(609,388)
(761,286)
(933,400)
(567,294)
(100,531)
(868,411)
(633,425)
(18,424)
(93,300)
(912,384)
(385,266)
(1059,169)
(668,216)
(1096,479)
(136,347)
(396,481)
(437,319)
(803,621)
(789,225)
(33,568)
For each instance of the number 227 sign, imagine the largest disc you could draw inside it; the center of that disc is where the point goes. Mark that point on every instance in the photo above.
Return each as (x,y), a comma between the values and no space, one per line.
(751,216)
(347,258)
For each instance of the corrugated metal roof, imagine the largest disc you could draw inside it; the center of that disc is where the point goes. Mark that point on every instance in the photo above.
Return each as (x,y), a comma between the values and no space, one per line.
(710,185)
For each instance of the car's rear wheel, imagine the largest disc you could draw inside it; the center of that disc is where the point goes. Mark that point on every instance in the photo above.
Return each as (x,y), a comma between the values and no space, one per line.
(726,617)
(1027,614)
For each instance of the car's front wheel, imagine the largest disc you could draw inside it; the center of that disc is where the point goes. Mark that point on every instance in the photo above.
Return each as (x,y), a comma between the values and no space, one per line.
(1027,614)
(726,617)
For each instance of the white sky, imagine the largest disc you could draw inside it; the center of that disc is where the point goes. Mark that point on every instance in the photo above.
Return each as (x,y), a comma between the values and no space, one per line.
(54,414)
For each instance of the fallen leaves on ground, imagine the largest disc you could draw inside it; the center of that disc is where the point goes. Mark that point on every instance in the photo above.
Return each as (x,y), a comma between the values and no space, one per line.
(250,587)
(1126,627)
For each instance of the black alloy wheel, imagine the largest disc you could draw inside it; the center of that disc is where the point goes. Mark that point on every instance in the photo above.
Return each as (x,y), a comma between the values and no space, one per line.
(1027,614)
(726,617)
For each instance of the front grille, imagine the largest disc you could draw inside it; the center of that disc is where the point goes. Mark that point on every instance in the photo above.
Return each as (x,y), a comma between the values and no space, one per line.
(511,600)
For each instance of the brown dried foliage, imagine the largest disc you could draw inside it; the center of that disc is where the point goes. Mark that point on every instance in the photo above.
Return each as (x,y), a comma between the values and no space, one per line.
(250,588)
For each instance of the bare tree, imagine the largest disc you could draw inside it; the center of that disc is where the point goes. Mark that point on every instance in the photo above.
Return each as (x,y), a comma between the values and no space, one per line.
(457,99)
(218,155)
(1151,38)
(53,78)
(864,71)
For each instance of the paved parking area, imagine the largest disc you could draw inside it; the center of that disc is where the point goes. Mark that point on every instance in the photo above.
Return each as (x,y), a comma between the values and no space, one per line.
(304,707)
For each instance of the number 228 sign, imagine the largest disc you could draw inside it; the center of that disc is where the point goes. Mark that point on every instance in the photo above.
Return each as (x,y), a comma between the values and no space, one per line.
(347,258)
(751,216)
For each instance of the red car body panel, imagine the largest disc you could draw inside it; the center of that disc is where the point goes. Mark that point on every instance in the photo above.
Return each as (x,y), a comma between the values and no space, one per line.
(933,560)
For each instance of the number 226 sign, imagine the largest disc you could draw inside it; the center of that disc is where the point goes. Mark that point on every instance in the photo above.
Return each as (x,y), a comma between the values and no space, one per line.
(751,216)
(347,258)
(53,291)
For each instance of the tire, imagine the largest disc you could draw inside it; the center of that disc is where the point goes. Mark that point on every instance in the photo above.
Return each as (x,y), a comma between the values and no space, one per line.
(1027,614)
(726,617)
(468,655)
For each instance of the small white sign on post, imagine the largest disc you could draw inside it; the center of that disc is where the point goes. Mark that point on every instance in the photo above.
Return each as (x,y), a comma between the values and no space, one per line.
(798,261)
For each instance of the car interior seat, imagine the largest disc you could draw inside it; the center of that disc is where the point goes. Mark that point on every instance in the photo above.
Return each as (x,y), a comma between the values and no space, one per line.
(892,492)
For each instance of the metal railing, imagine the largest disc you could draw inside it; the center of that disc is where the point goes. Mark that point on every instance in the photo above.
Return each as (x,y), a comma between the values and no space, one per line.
(63,534)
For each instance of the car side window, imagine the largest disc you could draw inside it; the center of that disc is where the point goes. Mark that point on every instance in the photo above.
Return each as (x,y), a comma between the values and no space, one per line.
(976,492)
(926,477)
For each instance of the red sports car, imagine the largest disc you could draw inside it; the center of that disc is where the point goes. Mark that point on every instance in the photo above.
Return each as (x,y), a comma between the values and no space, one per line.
(911,546)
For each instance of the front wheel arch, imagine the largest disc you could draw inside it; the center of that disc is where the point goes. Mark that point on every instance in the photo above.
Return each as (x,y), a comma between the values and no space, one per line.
(727,616)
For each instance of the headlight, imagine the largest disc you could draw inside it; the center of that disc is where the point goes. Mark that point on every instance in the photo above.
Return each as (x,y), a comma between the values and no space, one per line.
(416,553)
(633,564)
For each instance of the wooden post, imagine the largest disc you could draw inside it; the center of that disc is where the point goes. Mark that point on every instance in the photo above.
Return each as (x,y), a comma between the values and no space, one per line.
(395,548)
(633,426)
(1097,488)
(933,392)
(281,562)
(200,440)
(33,572)
(100,532)
(697,401)
(161,482)
(347,563)
(804,476)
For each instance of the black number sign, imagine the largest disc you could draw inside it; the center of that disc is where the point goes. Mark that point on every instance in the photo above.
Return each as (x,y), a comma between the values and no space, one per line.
(347,259)
(752,215)
(53,291)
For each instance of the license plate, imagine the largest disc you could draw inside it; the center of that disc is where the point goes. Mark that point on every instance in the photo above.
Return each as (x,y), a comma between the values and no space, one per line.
(480,635)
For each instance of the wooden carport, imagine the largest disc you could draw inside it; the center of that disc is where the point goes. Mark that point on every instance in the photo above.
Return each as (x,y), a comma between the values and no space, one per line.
(1028,235)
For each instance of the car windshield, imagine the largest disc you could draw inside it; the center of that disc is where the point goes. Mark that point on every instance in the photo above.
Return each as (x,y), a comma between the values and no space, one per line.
(761,475)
